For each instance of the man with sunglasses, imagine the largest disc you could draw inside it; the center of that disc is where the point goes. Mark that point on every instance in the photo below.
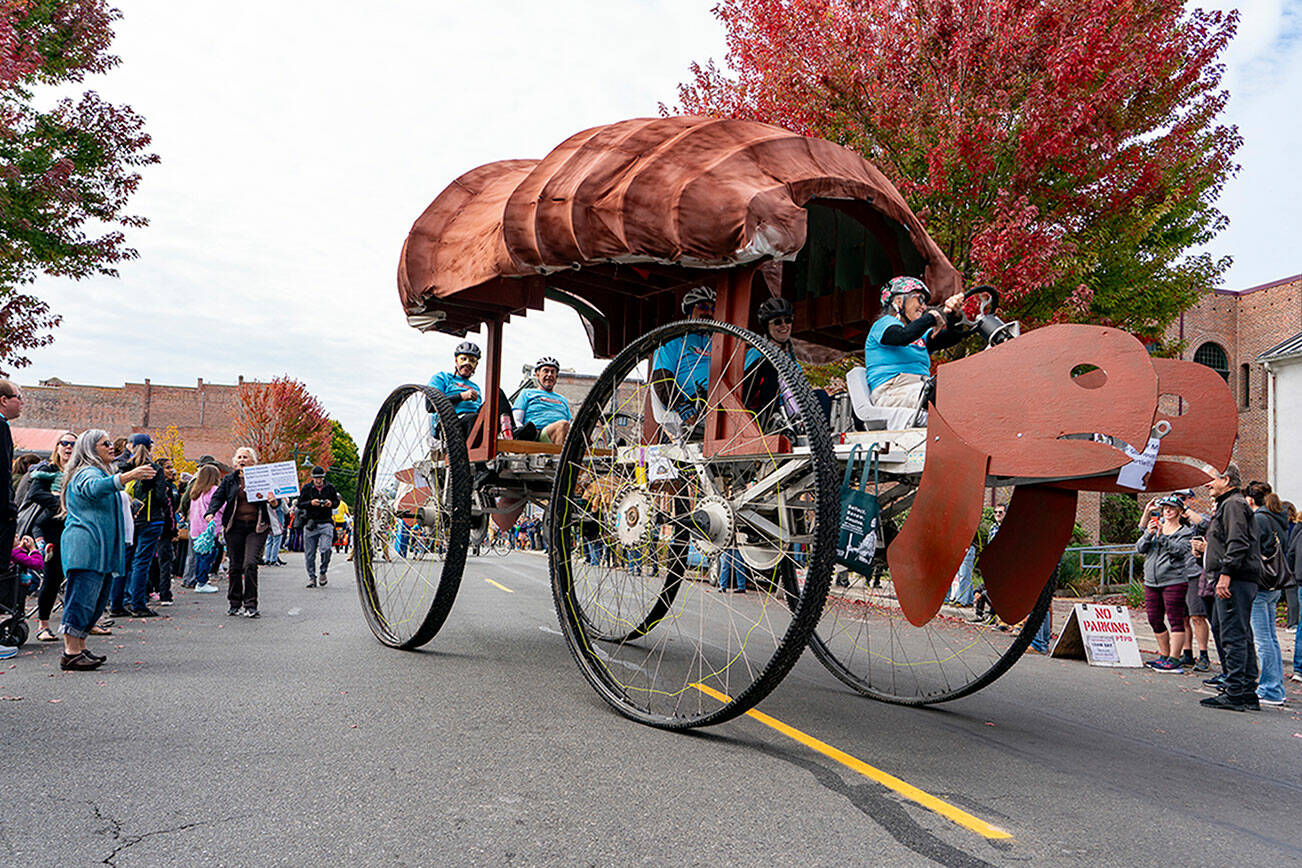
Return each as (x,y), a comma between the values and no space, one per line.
(465,396)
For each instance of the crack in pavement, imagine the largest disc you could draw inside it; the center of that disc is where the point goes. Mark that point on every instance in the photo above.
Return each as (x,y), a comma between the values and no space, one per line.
(116,830)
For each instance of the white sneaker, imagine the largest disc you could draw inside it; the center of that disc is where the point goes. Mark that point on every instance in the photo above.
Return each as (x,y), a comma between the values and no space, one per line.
(205,589)
(7,651)
(1272,702)
(1296,676)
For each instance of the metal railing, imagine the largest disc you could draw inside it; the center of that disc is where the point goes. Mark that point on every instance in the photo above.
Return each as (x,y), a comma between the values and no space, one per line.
(1099,557)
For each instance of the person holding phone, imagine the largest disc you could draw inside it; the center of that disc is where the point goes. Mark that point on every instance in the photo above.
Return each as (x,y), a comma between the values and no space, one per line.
(318,501)
(1166,546)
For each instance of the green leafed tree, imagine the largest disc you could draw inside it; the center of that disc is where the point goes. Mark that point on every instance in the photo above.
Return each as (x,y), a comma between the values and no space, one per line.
(346,464)
(68,166)
(1070,153)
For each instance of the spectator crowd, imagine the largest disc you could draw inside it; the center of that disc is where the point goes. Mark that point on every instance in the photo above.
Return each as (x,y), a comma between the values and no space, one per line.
(114,528)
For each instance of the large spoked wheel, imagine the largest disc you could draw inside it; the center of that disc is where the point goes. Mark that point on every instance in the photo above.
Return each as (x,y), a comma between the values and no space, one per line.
(412,517)
(864,639)
(665,480)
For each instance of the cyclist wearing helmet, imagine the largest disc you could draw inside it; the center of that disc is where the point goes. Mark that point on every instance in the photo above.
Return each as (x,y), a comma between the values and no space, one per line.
(541,414)
(897,354)
(680,369)
(465,396)
(776,317)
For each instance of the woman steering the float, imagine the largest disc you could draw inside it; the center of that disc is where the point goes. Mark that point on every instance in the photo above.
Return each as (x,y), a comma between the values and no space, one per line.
(897,353)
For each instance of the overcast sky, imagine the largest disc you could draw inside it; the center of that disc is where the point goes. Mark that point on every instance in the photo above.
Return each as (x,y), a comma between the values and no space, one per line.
(299,142)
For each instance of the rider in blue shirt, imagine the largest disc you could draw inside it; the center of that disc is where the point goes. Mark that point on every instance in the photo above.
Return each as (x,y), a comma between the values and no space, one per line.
(541,414)
(465,396)
(680,370)
(897,353)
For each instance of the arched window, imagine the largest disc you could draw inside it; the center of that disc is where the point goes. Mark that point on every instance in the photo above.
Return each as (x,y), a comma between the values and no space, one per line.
(1213,356)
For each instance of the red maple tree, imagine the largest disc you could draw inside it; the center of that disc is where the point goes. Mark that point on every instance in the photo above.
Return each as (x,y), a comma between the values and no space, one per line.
(1067,151)
(283,421)
(66,170)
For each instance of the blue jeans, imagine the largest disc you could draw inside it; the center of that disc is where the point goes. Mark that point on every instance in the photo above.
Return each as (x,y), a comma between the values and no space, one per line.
(141,555)
(271,553)
(84,596)
(1297,652)
(962,594)
(732,569)
(1271,683)
(1044,634)
(203,564)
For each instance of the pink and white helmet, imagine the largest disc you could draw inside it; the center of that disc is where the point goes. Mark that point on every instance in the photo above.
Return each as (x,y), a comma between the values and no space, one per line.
(904,286)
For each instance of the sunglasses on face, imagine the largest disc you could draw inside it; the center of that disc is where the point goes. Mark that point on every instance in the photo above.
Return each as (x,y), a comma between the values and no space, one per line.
(67,443)
(782,320)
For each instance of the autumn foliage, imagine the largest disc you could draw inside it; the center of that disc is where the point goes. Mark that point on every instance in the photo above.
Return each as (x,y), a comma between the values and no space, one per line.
(170,445)
(283,421)
(1067,151)
(67,169)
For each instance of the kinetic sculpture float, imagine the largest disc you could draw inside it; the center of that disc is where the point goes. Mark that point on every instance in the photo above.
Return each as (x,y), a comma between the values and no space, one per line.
(644,500)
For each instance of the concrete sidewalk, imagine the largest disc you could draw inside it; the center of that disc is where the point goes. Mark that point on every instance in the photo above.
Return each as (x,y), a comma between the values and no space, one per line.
(1062,607)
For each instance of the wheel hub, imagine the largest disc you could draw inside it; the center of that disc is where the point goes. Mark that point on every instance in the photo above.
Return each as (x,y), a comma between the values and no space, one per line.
(711,524)
(633,518)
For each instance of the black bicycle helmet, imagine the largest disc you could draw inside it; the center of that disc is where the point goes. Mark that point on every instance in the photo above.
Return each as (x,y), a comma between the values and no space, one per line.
(772,308)
(695,296)
(467,348)
(545,362)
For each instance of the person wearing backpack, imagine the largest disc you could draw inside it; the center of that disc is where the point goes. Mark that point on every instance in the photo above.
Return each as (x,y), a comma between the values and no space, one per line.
(1272,537)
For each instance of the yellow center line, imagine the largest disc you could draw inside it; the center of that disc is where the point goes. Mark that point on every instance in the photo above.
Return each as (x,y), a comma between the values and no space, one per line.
(501,587)
(926,800)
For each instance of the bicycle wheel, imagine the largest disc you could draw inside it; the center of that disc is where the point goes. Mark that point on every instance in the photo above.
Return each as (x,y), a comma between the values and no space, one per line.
(649,632)
(864,639)
(413,516)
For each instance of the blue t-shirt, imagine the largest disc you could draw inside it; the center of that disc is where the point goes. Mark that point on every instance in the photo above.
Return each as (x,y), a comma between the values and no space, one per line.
(881,362)
(452,385)
(541,407)
(688,359)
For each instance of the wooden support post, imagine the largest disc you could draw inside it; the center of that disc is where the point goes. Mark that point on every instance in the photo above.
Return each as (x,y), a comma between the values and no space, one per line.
(483,437)
(730,429)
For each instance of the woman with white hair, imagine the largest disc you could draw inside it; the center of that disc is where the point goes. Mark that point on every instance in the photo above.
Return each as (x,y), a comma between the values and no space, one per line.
(246,525)
(897,352)
(95,531)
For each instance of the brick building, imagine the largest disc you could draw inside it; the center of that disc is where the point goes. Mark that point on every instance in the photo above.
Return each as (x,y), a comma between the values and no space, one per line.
(1227,331)
(204,413)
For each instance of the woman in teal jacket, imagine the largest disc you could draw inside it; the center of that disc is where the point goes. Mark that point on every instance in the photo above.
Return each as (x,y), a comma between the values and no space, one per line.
(94,540)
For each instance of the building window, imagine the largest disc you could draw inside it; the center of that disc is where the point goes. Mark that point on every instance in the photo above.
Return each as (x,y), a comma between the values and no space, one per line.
(1213,356)
(1245,374)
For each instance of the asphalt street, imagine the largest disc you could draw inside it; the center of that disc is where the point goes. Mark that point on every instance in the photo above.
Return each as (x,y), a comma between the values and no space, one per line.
(299,739)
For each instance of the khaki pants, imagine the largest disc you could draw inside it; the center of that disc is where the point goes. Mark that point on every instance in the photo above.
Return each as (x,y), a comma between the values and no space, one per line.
(901,390)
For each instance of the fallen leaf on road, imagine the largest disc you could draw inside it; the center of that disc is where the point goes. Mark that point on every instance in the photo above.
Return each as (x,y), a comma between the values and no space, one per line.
(56,700)
(19,699)
(990,723)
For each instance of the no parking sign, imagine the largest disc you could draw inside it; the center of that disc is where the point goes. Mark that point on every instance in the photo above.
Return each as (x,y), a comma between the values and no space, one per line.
(1100,635)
